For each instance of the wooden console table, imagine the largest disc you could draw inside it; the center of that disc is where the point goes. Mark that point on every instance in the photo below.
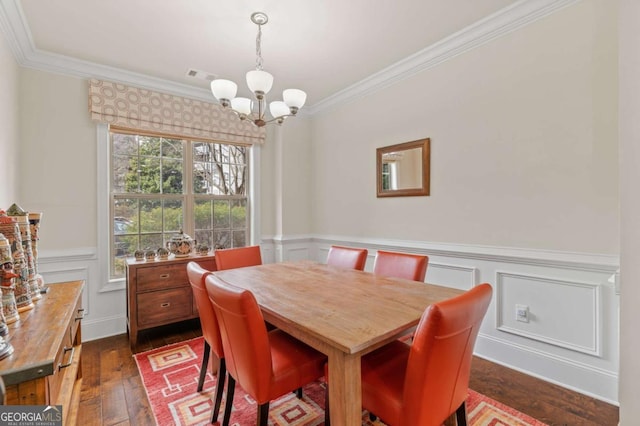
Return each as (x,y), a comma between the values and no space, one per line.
(45,367)
(159,293)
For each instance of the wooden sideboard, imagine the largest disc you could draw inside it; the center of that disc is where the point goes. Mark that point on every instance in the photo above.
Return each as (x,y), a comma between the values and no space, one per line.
(159,293)
(45,367)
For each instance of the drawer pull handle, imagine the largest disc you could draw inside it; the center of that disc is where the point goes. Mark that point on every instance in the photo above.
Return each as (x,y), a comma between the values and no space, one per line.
(72,349)
(80,314)
(165,305)
(164,276)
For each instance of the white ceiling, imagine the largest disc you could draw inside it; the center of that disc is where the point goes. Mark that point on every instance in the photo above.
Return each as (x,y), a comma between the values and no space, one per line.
(322,47)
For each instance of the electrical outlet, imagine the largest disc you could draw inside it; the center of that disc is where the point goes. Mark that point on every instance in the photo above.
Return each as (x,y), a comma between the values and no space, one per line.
(522,313)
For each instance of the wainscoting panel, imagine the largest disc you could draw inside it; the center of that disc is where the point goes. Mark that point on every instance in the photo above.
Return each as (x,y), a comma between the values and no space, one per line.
(460,277)
(570,319)
(69,267)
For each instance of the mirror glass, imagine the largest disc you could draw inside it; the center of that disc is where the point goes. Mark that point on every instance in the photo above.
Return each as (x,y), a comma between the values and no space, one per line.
(403,169)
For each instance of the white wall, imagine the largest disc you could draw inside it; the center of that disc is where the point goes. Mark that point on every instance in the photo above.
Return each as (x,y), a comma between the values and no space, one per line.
(9,136)
(523,144)
(630,210)
(58,159)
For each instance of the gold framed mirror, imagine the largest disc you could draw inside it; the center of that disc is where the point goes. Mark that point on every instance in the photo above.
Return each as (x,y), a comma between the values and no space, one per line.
(403,170)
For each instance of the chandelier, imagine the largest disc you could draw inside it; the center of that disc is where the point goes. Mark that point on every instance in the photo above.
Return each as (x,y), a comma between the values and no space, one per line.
(259,82)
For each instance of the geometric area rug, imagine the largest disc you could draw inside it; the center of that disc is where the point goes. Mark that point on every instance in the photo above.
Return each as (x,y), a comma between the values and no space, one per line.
(170,377)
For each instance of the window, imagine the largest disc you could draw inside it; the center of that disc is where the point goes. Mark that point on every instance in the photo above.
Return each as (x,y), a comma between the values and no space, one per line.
(161,185)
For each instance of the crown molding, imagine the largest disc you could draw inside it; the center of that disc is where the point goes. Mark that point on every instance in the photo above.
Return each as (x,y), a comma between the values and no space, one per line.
(16,30)
(504,21)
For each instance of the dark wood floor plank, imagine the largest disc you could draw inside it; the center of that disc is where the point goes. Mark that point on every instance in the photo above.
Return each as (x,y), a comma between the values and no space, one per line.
(137,403)
(114,403)
(90,410)
(90,373)
(542,400)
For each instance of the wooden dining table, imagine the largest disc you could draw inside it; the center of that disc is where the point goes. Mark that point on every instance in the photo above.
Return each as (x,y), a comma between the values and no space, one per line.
(339,312)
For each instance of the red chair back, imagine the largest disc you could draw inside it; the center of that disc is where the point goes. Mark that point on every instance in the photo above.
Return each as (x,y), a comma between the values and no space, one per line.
(239,257)
(439,365)
(401,265)
(244,336)
(208,319)
(347,257)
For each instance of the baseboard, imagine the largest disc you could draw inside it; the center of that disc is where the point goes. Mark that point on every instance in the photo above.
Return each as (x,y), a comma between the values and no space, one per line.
(103,327)
(585,379)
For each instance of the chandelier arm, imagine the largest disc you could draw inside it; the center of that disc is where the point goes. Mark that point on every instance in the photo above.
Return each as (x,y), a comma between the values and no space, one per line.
(282,117)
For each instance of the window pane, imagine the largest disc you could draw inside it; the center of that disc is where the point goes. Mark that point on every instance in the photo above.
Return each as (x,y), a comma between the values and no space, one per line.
(219,184)
(172,148)
(151,241)
(238,214)
(124,144)
(202,178)
(118,269)
(125,212)
(221,213)
(221,239)
(204,214)
(125,173)
(237,176)
(171,176)
(149,175)
(149,146)
(125,245)
(173,216)
(204,237)
(150,216)
(239,238)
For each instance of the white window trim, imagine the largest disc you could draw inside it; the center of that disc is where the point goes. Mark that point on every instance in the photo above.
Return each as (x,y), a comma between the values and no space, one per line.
(102,193)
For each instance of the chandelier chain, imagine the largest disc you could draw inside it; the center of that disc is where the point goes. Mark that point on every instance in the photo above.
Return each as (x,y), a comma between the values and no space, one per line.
(259,49)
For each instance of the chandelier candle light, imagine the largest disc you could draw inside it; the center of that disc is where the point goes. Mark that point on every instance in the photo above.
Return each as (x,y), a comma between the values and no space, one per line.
(259,82)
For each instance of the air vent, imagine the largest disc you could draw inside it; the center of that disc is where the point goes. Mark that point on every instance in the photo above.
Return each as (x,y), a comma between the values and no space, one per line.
(201,75)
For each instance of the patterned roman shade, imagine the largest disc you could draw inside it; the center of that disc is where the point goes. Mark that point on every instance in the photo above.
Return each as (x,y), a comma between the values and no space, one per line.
(141,109)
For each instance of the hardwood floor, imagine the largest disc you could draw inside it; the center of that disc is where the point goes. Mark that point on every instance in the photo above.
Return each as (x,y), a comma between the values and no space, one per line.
(112,392)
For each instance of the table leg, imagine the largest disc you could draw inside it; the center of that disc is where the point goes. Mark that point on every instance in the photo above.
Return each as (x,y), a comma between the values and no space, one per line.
(345,389)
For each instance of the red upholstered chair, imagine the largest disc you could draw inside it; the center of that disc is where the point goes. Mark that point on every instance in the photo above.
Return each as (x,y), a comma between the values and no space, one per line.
(347,257)
(401,265)
(427,383)
(238,257)
(210,332)
(266,364)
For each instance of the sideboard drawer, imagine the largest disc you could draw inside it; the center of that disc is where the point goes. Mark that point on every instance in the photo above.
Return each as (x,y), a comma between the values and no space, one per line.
(174,275)
(164,307)
(63,358)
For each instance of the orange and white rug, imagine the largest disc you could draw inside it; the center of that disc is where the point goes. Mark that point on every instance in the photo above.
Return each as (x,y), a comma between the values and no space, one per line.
(170,377)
